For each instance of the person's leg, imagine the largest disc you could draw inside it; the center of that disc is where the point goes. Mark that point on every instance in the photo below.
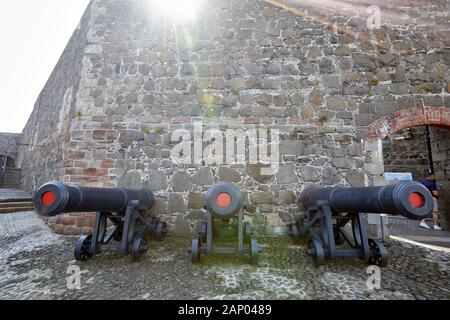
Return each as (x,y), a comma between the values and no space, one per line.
(436,215)
(436,221)
(435,218)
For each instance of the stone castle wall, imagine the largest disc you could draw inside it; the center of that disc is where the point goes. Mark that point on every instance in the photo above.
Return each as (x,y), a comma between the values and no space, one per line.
(407,155)
(42,150)
(239,64)
(440,146)
(9,144)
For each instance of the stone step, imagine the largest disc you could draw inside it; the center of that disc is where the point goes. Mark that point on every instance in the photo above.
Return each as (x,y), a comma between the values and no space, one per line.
(16,204)
(15,210)
(12,185)
(6,181)
(12,173)
(11,178)
(14,195)
(16,207)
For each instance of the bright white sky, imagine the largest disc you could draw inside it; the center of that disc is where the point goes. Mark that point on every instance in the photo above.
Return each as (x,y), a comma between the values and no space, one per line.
(33,35)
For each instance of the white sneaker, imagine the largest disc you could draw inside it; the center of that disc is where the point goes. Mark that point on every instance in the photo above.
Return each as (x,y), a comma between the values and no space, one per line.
(436,227)
(424,225)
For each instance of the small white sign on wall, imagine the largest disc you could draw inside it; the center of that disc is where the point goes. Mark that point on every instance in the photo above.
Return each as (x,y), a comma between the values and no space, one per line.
(396,177)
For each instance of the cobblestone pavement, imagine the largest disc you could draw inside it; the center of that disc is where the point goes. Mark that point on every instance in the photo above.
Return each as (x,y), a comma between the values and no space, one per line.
(34,263)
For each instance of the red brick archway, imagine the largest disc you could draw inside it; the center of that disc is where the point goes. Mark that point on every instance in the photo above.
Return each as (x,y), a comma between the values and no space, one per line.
(406,118)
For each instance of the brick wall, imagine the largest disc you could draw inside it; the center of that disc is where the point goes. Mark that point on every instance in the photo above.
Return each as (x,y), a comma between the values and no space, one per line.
(399,120)
(406,155)
(440,146)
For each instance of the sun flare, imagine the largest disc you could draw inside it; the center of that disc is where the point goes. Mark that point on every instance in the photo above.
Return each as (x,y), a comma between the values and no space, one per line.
(178,10)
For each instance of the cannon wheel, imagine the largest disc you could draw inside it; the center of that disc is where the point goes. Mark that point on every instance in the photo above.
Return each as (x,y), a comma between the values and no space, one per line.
(161,229)
(294,232)
(254,251)
(195,250)
(203,232)
(247,232)
(83,248)
(139,248)
(315,249)
(380,254)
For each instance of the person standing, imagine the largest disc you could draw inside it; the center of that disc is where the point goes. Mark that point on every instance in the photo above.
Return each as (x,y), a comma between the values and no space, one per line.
(430,183)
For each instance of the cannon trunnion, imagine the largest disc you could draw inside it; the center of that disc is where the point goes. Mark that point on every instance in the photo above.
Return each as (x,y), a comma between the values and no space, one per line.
(224,204)
(330,209)
(122,220)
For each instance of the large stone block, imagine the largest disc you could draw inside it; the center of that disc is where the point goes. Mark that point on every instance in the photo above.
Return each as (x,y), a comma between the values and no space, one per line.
(309,174)
(326,66)
(181,181)
(363,60)
(286,197)
(203,177)
(228,174)
(316,98)
(342,163)
(291,147)
(176,203)
(255,171)
(355,177)
(286,174)
(157,180)
(273,68)
(130,179)
(130,136)
(259,198)
(196,200)
(336,104)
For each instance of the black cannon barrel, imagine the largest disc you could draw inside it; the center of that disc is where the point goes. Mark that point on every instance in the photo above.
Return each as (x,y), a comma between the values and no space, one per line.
(408,198)
(55,198)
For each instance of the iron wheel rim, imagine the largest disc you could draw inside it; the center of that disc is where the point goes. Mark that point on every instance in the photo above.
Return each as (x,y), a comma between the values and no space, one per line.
(315,249)
(247,232)
(140,248)
(380,258)
(203,232)
(294,232)
(102,228)
(83,248)
(161,230)
(195,250)
(254,251)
